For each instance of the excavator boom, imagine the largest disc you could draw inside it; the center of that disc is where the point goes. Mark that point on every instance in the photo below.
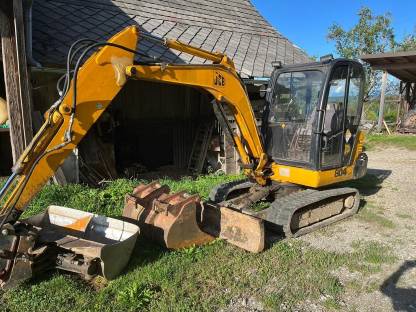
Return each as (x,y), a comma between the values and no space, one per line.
(99,80)
(94,85)
(68,122)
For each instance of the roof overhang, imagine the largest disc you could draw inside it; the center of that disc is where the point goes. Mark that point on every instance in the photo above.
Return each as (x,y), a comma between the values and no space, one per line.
(401,65)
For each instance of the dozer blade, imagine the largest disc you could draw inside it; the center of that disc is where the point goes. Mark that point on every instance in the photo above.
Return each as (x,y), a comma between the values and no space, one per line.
(66,239)
(237,228)
(170,219)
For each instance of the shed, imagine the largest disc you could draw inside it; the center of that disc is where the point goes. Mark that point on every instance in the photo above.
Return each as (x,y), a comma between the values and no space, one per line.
(149,125)
(401,65)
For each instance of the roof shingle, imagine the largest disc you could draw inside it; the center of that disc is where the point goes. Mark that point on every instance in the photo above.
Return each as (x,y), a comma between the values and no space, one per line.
(231,26)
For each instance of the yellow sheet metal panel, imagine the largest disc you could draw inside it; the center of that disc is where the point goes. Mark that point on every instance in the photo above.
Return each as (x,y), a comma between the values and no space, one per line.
(309,177)
(316,179)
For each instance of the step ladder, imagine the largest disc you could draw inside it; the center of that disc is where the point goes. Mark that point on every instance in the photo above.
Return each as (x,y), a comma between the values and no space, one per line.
(200,147)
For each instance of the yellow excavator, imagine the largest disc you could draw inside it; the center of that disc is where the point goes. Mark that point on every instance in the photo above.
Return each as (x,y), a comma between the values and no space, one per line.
(309,141)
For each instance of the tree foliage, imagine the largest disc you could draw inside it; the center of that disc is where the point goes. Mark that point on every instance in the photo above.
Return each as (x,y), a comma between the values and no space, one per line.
(371,34)
(408,43)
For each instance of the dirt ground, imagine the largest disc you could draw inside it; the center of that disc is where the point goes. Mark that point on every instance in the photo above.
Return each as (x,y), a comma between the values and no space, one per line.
(394,288)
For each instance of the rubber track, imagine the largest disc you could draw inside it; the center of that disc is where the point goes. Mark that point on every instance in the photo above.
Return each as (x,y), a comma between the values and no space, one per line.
(220,192)
(282,210)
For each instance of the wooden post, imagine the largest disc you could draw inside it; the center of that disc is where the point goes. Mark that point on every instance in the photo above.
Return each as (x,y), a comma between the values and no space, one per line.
(16,75)
(382,99)
(230,165)
(399,106)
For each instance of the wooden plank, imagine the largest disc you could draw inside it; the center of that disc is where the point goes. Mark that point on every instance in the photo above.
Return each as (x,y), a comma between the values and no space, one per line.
(387,127)
(24,73)
(16,76)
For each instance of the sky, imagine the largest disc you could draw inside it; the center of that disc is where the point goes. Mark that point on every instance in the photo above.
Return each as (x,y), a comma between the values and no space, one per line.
(306,22)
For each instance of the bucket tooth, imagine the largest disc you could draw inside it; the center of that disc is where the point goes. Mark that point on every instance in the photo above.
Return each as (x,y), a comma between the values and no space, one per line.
(170,219)
(138,205)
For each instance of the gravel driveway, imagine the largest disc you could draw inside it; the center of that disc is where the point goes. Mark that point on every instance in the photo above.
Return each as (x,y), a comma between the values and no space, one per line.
(394,201)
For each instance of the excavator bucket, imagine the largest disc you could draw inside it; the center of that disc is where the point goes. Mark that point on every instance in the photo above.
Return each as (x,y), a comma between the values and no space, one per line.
(66,239)
(170,219)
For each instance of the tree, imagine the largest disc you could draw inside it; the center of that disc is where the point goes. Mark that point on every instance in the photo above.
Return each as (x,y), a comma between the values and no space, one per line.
(408,44)
(372,34)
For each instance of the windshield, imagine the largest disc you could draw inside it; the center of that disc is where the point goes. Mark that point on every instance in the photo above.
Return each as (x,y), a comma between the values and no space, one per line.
(296,96)
(291,116)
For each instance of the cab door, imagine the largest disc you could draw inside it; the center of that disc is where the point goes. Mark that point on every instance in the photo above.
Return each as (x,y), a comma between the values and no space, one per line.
(341,115)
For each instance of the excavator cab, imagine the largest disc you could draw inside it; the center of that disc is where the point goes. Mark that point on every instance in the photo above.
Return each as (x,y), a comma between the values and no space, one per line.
(312,114)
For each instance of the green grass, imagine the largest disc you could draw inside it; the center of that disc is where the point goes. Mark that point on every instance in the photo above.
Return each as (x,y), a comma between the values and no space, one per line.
(378,141)
(204,278)
(373,254)
(404,216)
(331,304)
(377,218)
(109,200)
(372,214)
(359,287)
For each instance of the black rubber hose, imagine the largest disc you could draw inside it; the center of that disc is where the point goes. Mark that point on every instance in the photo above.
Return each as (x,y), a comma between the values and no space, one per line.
(66,86)
(76,70)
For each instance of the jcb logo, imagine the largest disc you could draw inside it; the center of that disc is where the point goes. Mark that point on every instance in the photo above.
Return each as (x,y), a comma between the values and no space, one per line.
(340,172)
(219,80)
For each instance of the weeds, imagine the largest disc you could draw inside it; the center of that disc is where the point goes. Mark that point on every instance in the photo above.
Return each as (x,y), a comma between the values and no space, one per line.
(373,252)
(259,206)
(331,304)
(109,199)
(136,296)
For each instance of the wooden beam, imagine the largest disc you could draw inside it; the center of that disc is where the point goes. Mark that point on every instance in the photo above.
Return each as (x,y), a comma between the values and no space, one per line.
(16,75)
(392,66)
(388,55)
